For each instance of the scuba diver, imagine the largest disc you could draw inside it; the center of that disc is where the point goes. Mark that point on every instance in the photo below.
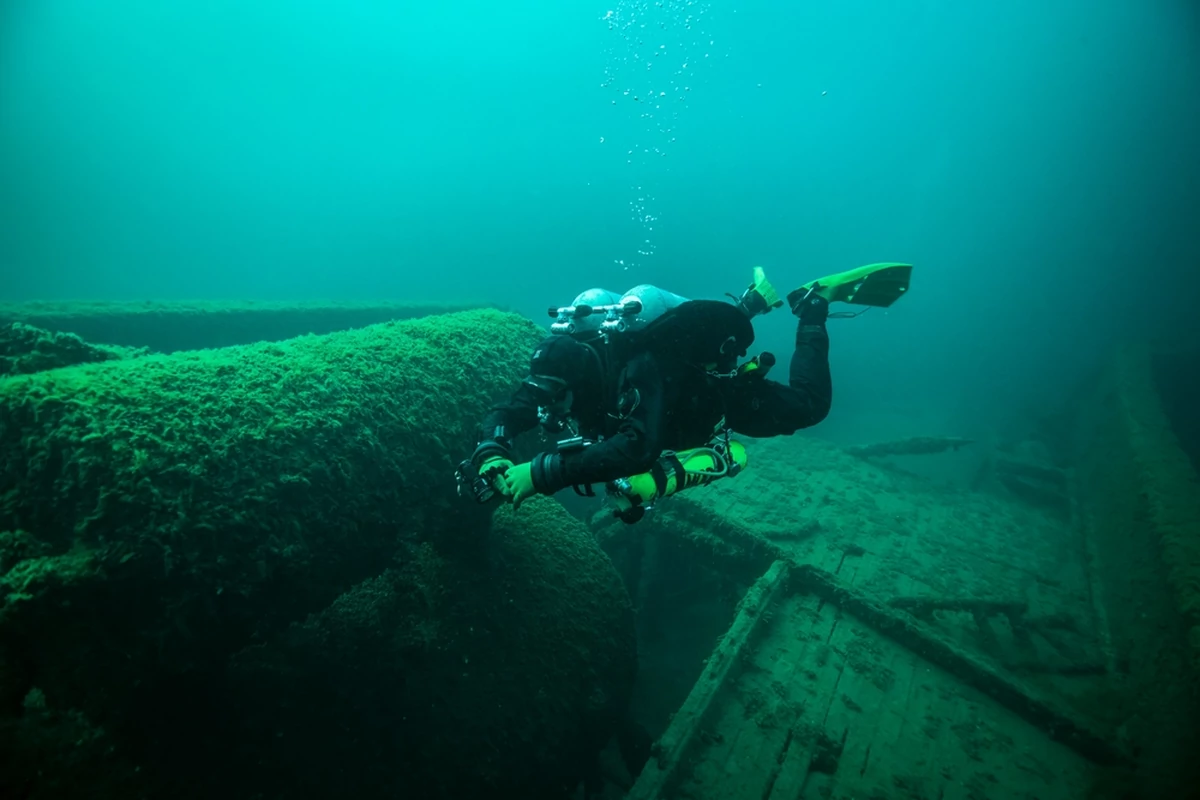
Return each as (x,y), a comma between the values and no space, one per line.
(643,390)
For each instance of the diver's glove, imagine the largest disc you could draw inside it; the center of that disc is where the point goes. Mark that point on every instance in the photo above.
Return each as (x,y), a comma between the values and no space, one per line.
(518,483)
(543,474)
(493,471)
(491,458)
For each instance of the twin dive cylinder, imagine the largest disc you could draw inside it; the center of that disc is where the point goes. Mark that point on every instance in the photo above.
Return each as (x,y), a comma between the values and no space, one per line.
(673,472)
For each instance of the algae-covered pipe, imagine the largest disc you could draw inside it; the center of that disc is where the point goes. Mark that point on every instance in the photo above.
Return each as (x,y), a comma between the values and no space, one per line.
(167,327)
(446,677)
(168,509)
(25,349)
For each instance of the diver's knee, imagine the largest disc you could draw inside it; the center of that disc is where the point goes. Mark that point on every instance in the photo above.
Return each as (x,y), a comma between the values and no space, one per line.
(811,409)
(820,408)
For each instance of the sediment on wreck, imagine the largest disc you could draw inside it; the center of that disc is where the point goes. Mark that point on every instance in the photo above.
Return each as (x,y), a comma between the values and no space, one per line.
(171,326)
(162,514)
(498,674)
(1140,502)
(25,349)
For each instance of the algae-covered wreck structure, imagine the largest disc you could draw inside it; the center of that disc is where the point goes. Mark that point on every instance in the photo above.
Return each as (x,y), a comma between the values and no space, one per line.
(244,571)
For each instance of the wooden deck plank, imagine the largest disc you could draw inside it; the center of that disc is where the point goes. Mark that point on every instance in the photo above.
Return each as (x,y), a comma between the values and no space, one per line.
(924,735)
(688,723)
(763,703)
(858,540)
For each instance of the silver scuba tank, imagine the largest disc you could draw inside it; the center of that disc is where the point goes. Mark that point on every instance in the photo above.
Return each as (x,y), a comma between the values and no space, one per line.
(654,303)
(599,312)
(586,314)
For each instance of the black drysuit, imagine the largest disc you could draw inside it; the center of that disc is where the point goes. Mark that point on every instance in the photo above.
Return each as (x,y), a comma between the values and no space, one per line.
(674,406)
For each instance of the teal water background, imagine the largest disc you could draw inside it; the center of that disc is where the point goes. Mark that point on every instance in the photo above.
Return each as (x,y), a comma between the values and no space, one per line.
(1037,162)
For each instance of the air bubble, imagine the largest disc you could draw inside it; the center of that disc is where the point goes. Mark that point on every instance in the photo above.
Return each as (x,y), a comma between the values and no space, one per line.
(678,26)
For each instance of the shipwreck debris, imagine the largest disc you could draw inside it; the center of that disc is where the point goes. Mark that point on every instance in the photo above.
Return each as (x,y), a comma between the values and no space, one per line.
(912,446)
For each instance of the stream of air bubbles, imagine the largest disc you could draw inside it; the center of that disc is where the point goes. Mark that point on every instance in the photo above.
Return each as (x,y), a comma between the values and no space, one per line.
(659,50)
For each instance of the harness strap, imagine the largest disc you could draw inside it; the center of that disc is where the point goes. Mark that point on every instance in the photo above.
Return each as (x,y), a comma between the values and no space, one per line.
(659,473)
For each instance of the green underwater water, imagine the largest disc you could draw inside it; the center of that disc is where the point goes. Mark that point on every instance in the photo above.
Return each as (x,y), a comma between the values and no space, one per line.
(263,268)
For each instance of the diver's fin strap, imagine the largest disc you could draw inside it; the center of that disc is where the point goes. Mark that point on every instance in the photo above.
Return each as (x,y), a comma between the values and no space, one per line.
(659,473)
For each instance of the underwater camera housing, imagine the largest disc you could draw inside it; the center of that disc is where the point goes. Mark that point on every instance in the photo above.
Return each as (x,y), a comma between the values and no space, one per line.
(479,486)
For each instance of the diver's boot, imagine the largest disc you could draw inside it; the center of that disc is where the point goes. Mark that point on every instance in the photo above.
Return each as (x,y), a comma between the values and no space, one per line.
(810,305)
(760,297)
(800,300)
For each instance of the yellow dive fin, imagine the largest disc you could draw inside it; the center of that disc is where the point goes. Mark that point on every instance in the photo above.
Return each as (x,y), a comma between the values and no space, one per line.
(873,285)
(761,297)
